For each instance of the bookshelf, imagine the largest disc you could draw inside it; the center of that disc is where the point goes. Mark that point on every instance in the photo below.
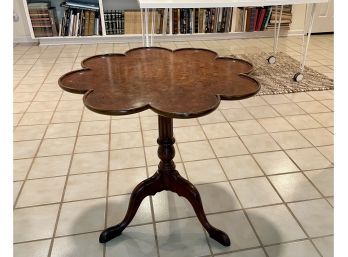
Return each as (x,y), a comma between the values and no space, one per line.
(230,18)
(56,18)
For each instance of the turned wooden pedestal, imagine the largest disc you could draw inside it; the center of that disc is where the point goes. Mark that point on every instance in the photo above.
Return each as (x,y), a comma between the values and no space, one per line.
(166,178)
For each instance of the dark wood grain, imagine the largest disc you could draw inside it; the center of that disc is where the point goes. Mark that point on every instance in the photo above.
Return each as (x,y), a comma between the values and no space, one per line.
(184,83)
(166,178)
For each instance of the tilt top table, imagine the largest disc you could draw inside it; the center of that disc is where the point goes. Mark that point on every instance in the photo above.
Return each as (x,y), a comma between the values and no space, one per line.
(184,83)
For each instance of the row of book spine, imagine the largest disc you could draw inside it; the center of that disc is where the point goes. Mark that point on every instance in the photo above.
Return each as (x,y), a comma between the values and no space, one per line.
(80,22)
(132,21)
(261,18)
(85,20)
(202,20)
(198,20)
(286,18)
(114,22)
(129,21)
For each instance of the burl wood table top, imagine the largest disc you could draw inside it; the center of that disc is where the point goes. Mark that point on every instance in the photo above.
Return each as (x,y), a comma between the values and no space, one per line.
(183,83)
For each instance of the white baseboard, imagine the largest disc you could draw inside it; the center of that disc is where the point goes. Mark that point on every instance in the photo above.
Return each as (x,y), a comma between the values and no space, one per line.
(163,38)
(24,39)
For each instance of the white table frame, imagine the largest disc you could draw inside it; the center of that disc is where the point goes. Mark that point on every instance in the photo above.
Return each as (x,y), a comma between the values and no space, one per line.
(150,5)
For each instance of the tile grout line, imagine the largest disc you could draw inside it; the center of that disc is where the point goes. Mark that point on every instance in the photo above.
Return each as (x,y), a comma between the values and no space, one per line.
(199,184)
(35,94)
(216,158)
(297,130)
(244,210)
(190,217)
(66,181)
(179,154)
(320,122)
(150,197)
(239,201)
(107,185)
(18,83)
(282,199)
(270,245)
(207,139)
(277,190)
(165,220)
(187,176)
(312,183)
(223,157)
(298,167)
(183,126)
(32,161)
(238,251)
(20,54)
(36,152)
(32,101)
(44,77)
(285,152)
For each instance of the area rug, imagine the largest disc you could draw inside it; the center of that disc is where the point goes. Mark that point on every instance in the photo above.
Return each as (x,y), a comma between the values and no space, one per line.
(278,78)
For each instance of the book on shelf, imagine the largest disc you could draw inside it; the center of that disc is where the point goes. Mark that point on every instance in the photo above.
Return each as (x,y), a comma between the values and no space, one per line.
(256,15)
(165,22)
(91,23)
(235,16)
(86,24)
(266,18)
(114,22)
(286,18)
(43,18)
(81,5)
(260,18)
(132,22)
(248,14)
(79,20)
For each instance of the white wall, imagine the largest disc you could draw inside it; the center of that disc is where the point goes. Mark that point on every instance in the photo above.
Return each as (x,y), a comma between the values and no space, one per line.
(20,28)
(298,15)
(323,17)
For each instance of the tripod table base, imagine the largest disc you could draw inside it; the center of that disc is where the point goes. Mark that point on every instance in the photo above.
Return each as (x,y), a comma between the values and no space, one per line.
(166,178)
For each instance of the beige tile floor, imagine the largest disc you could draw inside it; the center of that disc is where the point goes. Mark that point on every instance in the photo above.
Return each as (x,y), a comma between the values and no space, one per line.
(264,166)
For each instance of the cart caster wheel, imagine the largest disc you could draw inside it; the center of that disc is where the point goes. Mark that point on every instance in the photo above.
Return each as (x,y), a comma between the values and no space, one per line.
(298,77)
(271,59)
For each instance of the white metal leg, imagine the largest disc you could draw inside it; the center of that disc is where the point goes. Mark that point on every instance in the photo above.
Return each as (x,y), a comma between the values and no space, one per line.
(277,24)
(147,27)
(275,28)
(278,20)
(165,21)
(309,31)
(152,26)
(304,30)
(142,26)
(171,21)
(305,43)
(147,38)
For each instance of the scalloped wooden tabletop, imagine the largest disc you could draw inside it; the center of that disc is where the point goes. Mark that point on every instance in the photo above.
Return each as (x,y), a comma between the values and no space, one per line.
(184,83)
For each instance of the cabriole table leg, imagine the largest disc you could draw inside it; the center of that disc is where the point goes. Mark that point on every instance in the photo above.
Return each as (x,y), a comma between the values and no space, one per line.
(166,178)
